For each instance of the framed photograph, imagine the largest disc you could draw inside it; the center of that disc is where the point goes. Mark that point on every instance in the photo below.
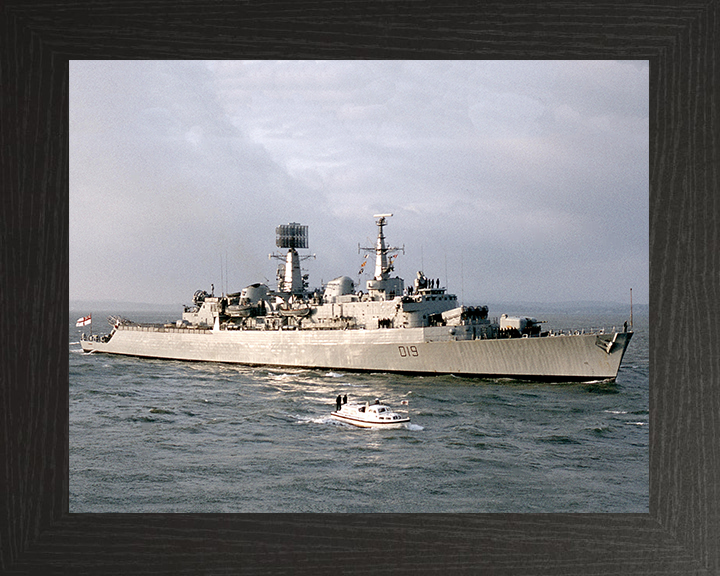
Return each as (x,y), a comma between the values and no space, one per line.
(662,519)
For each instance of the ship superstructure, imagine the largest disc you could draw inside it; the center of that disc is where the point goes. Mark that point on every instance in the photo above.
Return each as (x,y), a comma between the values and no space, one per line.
(386,327)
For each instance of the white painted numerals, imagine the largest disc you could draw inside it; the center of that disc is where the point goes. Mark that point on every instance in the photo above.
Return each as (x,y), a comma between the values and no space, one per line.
(406,351)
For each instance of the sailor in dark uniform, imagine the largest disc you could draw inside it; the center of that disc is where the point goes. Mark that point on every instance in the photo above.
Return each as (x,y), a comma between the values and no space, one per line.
(338,403)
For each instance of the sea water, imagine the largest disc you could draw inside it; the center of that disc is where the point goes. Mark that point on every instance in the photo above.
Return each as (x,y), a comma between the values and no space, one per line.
(168,436)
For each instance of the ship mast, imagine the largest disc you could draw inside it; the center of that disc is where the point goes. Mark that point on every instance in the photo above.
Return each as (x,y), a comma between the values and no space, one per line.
(291,236)
(382,282)
(382,267)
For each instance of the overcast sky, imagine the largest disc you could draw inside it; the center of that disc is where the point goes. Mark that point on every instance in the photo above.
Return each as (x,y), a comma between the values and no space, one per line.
(509,181)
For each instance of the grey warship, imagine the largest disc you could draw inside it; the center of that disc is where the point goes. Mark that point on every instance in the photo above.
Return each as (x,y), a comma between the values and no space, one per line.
(388,327)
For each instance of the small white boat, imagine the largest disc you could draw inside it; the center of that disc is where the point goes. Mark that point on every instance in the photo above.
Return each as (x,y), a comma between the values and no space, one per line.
(369,416)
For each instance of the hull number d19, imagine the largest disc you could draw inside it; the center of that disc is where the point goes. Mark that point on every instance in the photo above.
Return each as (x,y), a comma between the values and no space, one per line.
(408,351)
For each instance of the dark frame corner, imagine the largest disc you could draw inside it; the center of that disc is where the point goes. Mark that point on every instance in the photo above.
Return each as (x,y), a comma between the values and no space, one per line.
(678,536)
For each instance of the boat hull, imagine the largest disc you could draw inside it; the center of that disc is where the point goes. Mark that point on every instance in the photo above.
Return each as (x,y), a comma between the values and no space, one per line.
(366,424)
(579,357)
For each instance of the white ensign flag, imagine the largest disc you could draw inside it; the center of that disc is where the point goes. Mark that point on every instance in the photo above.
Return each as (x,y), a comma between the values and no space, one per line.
(84,321)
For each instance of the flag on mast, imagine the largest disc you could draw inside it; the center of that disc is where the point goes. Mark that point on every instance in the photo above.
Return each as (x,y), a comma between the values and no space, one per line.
(84,321)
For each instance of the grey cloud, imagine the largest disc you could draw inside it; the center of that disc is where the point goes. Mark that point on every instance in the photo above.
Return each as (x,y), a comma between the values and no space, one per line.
(501,167)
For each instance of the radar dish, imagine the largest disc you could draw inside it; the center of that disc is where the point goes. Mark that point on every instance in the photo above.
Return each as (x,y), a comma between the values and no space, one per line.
(291,235)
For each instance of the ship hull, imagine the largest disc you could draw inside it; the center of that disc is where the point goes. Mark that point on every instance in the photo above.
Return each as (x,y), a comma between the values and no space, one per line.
(580,357)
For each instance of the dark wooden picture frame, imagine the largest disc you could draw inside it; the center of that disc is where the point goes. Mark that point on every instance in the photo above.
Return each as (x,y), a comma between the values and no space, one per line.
(680,534)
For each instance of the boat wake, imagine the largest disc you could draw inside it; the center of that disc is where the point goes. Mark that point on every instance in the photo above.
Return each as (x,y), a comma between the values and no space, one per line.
(315,420)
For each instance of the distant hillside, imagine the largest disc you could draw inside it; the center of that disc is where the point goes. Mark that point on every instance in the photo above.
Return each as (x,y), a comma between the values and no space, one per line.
(579,307)
(87,306)
(496,308)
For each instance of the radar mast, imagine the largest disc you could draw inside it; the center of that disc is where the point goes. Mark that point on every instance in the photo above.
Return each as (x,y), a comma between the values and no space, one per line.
(382,286)
(382,267)
(291,236)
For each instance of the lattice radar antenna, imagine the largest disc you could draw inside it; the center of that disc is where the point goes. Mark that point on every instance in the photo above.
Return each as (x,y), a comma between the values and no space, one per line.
(292,236)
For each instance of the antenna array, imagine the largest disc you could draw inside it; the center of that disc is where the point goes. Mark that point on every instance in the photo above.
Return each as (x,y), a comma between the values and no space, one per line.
(291,235)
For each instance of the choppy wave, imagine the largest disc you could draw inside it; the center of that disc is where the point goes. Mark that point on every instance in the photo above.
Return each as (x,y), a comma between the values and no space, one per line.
(152,436)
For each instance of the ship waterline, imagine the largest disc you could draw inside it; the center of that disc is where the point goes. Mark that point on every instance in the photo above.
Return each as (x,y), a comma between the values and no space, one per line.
(561,357)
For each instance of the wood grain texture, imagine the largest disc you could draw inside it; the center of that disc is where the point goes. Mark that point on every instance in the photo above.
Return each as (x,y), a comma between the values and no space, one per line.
(681,533)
